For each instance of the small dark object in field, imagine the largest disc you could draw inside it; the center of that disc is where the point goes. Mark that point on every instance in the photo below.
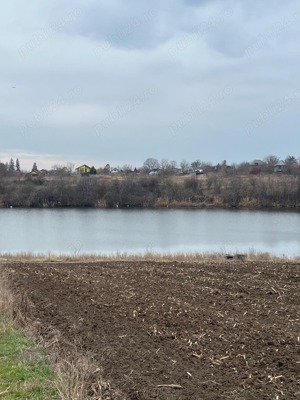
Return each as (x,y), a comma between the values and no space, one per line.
(236,257)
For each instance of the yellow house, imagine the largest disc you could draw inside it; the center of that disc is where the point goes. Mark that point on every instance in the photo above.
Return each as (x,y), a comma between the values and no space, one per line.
(83,169)
(34,172)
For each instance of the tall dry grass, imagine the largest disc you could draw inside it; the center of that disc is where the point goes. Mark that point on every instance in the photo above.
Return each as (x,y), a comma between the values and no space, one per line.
(16,309)
(79,378)
(6,298)
(251,255)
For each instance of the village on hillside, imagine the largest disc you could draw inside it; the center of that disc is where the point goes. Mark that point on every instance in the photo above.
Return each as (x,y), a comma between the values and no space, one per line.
(271,164)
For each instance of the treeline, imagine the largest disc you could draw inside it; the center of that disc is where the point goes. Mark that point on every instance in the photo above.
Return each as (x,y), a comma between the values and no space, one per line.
(142,190)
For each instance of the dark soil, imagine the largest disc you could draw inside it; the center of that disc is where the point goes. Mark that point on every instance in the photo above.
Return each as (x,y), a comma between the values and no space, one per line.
(227,330)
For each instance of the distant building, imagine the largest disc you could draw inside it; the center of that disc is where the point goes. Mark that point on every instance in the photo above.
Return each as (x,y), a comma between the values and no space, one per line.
(115,171)
(35,172)
(197,171)
(279,168)
(83,170)
(256,167)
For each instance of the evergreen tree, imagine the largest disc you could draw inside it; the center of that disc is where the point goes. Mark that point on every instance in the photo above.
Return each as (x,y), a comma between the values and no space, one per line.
(17,165)
(93,171)
(106,169)
(11,166)
(3,169)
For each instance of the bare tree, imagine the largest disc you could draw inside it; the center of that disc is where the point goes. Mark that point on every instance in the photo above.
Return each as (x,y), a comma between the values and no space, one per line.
(243,167)
(290,163)
(196,164)
(271,161)
(185,166)
(70,167)
(150,164)
(127,168)
(168,167)
(290,160)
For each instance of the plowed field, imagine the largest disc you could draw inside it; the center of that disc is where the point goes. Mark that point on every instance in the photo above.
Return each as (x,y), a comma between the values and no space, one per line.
(227,330)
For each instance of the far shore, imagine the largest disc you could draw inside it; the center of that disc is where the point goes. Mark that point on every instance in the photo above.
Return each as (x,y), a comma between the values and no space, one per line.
(209,191)
(171,206)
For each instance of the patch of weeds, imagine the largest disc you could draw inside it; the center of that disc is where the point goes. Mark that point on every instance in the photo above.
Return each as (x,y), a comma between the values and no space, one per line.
(22,376)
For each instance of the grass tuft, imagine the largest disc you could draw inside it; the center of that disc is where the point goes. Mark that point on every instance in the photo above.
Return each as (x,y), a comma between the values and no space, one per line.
(21,378)
(79,378)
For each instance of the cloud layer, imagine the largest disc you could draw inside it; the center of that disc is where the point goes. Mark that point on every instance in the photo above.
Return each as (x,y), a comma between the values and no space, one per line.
(116,81)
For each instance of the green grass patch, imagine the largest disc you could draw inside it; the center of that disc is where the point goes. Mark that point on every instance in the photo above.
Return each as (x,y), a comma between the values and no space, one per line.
(24,374)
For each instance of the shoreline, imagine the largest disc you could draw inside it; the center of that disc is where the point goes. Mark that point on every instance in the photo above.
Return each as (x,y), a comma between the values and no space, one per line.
(182,206)
(147,257)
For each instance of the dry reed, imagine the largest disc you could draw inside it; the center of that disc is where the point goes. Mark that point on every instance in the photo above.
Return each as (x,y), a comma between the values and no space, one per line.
(251,255)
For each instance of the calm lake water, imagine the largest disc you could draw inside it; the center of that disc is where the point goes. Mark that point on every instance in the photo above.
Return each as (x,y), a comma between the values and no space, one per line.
(82,231)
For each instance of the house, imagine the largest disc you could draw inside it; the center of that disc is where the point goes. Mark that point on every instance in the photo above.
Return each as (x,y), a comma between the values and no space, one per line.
(35,172)
(154,172)
(115,171)
(256,167)
(279,167)
(197,171)
(83,170)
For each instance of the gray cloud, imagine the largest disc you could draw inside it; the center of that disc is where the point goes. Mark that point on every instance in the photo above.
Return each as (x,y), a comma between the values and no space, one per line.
(143,68)
(132,24)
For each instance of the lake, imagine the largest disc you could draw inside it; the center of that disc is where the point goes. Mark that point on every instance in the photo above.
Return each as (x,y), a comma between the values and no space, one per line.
(80,231)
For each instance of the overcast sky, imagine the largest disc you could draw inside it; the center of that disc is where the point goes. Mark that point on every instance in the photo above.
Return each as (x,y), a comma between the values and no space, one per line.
(113,81)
